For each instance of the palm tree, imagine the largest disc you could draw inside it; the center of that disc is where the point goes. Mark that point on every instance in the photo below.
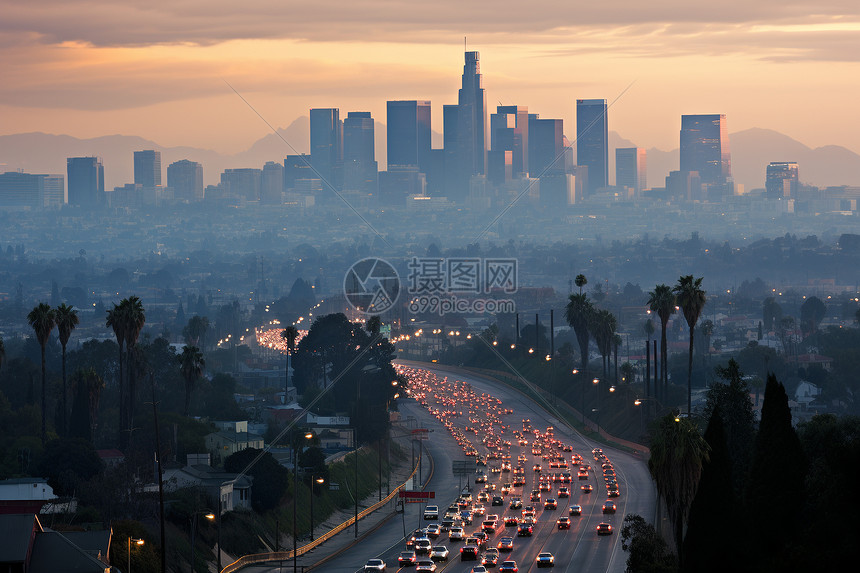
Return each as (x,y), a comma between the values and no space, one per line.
(662,301)
(67,319)
(191,364)
(577,314)
(195,331)
(691,299)
(41,320)
(290,334)
(135,318)
(116,320)
(678,451)
(580,281)
(602,326)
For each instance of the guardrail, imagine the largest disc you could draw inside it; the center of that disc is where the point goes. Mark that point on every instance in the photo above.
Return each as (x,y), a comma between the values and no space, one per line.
(255,558)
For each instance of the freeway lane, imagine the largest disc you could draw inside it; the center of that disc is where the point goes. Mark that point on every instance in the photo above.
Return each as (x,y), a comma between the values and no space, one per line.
(577,549)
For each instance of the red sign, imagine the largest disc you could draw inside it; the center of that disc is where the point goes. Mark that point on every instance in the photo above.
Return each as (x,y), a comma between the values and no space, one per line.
(419,495)
(420,433)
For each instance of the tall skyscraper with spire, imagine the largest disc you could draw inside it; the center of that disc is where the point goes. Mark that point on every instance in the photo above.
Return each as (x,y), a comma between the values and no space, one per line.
(466,132)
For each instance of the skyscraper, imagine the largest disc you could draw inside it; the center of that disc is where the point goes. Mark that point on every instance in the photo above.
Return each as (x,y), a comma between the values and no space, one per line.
(147,168)
(545,145)
(472,124)
(360,169)
(509,141)
(408,130)
(782,180)
(86,177)
(630,168)
(272,183)
(592,141)
(705,147)
(327,146)
(186,179)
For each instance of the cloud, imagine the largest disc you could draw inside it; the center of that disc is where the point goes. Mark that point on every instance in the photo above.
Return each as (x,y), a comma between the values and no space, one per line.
(204,22)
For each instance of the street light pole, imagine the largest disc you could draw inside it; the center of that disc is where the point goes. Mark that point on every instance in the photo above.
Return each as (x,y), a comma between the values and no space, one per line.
(596,382)
(136,542)
(314,480)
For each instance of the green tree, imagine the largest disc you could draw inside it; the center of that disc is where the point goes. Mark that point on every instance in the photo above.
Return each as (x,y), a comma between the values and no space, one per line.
(580,281)
(771,313)
(135,318)
(678,451)
(776,485)
(270,477)
(578,315)
(731,399)
(691,298)
(662,301)
(115,319)
(67,319)
(191,364)
(195,331)
(87,386)
(42,321)
(602,325)
(648,552)
(711,539)
(69,462)
(812,311)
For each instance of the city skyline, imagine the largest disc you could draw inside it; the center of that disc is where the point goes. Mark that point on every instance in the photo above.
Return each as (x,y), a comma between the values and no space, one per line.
(164,78)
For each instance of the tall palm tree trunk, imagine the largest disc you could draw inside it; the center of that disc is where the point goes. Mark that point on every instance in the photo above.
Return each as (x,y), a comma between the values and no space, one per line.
(121,401)
(44,399)
(690,373)
(65,428)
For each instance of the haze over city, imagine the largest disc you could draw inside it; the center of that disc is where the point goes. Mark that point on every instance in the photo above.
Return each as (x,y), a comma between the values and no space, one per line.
(157,69)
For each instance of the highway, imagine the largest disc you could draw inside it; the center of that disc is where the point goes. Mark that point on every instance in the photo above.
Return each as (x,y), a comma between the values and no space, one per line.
(577,549)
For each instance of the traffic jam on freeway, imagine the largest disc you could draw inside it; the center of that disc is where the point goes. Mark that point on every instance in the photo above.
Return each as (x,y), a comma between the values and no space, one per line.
(525,480)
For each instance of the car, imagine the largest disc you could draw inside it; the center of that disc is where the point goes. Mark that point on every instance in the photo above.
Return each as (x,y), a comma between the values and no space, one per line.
(550,504)
(417,534)
(516,503)
(609,506)
(508,567)
(563,492)
(505,544)
(613,492)
(604,529)
(479,569)
(374,565)
(563,522)
(488,525)
(490,557)
(447,524)
(582,474)
(528,511)
(483,496)
(422,546)
(481,478)
(545,559)
(587,488)
(482,538)
(525,529)
(406,558)
(466,517)
(511,521)
(498,500)
(535,496)
(478,510)
(439,553)
(545,486)
(456,534)
(431,512)
(426,565)
(536,468)
(574,510)
(433,530)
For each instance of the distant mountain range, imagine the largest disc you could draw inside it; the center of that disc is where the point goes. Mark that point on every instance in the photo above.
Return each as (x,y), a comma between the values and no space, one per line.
(752,150)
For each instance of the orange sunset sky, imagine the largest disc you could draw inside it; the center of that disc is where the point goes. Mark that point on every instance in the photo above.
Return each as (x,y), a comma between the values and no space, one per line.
(157,69)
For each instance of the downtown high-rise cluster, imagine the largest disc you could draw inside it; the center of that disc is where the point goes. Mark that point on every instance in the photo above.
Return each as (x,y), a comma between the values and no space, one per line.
(486,159)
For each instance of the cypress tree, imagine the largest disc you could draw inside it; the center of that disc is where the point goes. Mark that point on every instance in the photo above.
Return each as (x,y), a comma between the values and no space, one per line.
(710,540)
(775,489)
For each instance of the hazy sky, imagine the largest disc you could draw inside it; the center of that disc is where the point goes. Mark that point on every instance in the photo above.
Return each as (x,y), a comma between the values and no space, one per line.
(157,68)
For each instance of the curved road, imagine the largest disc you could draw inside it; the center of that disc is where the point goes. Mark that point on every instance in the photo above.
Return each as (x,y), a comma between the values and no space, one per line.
(577,549)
